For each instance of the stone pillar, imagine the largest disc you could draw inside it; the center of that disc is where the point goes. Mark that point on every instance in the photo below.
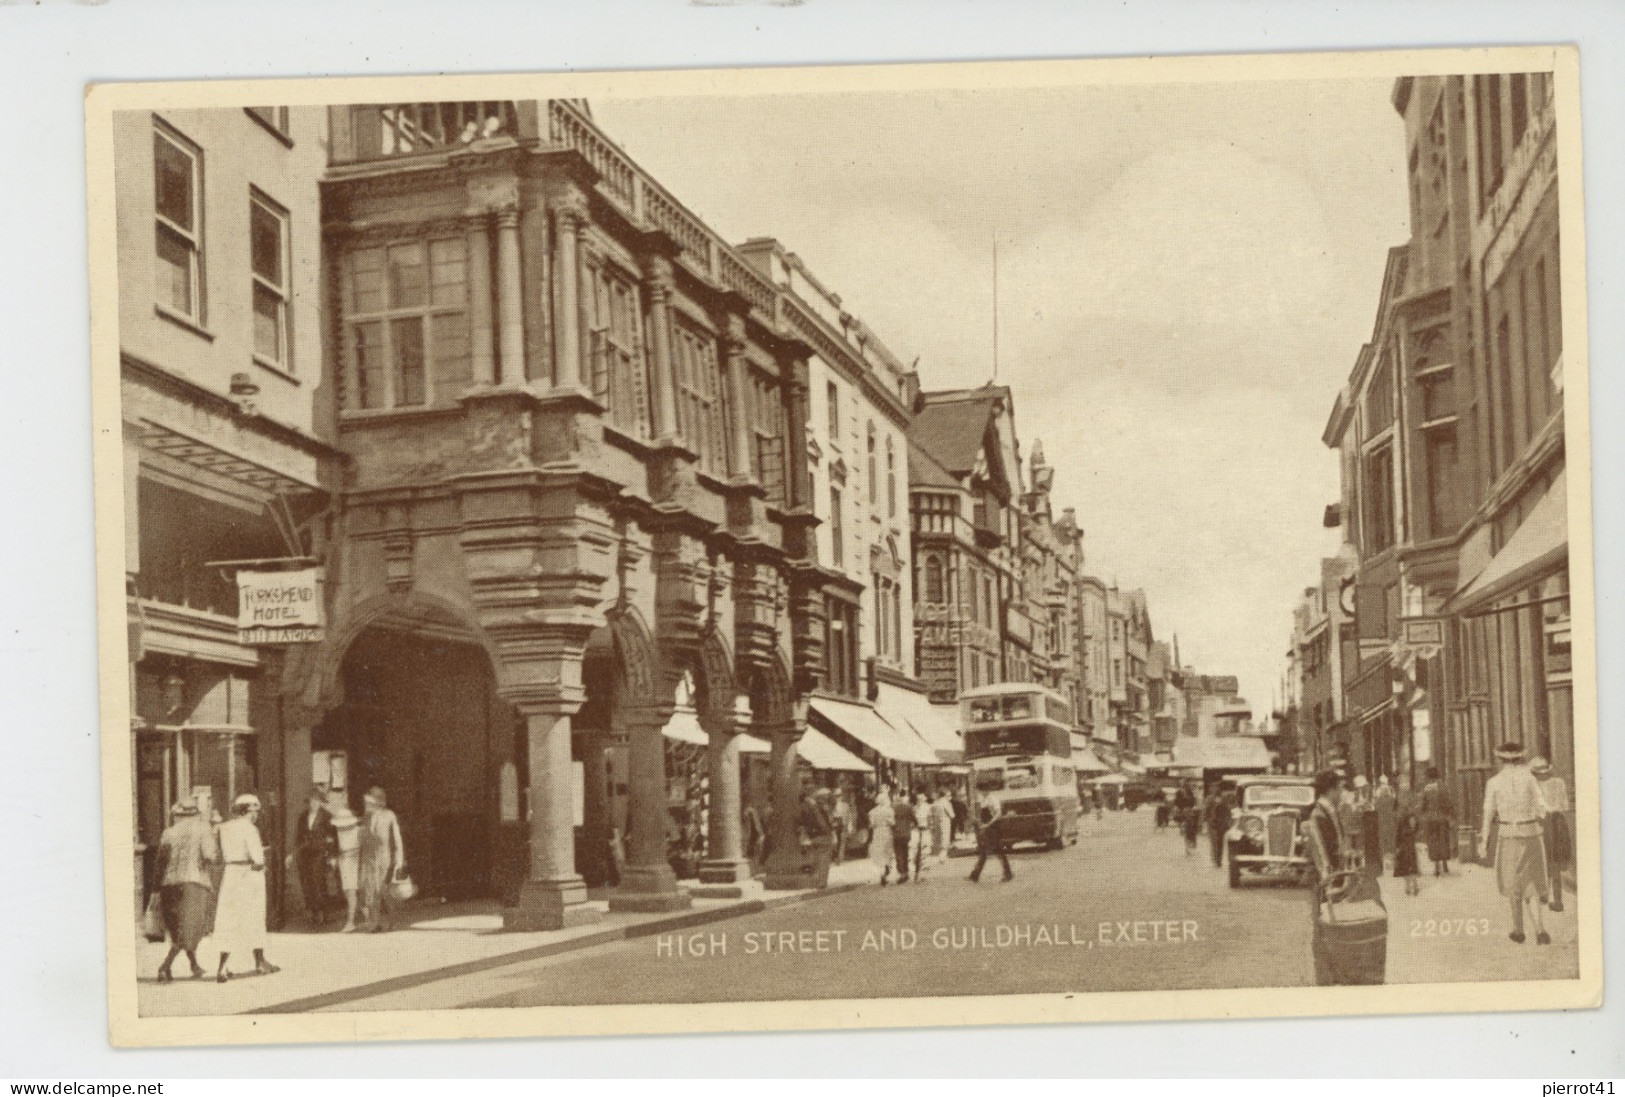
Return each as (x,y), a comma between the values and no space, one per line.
(784,860)
(648,883)
(554,896)
(725,867)
(568,368)
(510,294)
(480,319)
(596,825)
(740,442)
(662,389)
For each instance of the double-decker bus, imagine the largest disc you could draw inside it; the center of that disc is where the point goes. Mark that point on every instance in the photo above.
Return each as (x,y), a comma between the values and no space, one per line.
(1018,742)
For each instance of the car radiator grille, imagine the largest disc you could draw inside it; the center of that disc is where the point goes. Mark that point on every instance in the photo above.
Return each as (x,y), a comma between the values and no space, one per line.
(1282,829)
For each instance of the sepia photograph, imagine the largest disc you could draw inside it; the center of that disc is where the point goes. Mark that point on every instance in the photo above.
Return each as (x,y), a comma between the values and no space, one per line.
(848,547)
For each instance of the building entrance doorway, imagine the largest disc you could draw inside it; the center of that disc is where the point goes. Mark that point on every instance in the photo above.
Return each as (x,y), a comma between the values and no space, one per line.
(421,719)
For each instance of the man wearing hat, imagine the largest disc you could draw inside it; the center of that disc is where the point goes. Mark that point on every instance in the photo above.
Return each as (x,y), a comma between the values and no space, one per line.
(1514,812)
(1559,843)
(239,920)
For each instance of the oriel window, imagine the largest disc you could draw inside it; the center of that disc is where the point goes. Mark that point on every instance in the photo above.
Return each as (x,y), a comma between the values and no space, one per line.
(177,192)
(407,317)
(268,264)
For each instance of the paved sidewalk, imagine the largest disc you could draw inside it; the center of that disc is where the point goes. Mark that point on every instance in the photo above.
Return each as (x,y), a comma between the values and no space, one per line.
(1440,935)
(325,967)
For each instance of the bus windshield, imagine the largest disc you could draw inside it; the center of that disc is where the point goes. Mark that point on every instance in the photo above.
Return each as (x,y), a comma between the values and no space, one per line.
(1020,777)
(990,780)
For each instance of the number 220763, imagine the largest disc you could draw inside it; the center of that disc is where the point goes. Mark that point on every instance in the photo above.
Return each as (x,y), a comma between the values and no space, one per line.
(1450,927)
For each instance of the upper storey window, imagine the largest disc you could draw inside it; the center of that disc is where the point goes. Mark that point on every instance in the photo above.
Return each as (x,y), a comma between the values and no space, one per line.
(177,205)
(701,411)
(407,323)
(268,265)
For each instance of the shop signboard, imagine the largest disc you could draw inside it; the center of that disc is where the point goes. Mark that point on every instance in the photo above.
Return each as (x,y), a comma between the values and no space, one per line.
(279,607)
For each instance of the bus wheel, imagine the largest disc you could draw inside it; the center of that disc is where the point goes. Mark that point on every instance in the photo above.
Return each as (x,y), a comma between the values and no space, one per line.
(1055,843)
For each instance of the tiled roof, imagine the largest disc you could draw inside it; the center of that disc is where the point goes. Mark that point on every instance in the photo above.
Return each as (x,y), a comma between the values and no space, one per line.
(951,429)
(925,471)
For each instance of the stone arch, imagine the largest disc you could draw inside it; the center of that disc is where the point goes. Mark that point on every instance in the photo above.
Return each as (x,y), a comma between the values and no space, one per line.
(414,604)
(714,688)
(772,696)
(637,657)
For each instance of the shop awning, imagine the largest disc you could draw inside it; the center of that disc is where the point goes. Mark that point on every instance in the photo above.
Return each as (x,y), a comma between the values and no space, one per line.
(1232,752)
(868,727)
(1536,547)
(936,725)
(684,727)
(815,748)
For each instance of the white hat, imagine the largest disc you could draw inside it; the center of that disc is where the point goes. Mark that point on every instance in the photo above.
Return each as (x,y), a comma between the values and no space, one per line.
(246,801)
(1360,781)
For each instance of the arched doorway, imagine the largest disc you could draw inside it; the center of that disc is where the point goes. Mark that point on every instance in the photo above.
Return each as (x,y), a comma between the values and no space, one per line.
(421,718)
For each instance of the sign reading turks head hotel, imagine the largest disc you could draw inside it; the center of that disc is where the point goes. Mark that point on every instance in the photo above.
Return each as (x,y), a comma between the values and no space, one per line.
(279,607)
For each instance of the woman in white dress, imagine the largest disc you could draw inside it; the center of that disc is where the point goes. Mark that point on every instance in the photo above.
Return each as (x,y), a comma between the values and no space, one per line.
(881,849)
(239,920)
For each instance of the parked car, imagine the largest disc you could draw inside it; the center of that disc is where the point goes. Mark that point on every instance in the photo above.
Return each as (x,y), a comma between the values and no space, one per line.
(1266,832)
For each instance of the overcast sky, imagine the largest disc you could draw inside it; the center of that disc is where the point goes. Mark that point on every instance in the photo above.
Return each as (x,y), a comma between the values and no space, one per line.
(1186,274)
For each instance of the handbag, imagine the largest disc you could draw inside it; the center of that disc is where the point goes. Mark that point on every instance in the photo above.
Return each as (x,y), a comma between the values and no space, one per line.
(152,919)
(401,887)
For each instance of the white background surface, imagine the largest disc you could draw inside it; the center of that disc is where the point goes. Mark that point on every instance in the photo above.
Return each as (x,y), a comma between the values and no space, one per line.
(52,987)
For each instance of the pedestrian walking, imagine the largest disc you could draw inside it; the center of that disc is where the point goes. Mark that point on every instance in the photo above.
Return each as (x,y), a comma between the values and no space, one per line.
(882,850)
(942,825)
(1370,829)
(1513,813)
(315,851)
(922,835)
(961,816)
(1554,793)
(239,919)
(1190,818)
(1407,831)
(1438,819)
(841,817)
(1219,813)
(903,834)
(347,863)
(1099,798)
(1386,802)
(383,860)
(1165,810)
(1348,819)
(750,823)
(990,841)
(188,851)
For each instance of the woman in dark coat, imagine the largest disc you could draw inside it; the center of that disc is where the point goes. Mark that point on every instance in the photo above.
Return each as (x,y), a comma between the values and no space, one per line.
(1406,832)
(1438,823)
(188,851)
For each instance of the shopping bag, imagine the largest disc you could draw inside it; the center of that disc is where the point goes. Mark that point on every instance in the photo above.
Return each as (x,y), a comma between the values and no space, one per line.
(401,887)
(152,919)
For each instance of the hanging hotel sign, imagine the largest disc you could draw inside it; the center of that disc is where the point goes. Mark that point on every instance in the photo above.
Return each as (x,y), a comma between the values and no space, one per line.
(279,607)
(1421,637)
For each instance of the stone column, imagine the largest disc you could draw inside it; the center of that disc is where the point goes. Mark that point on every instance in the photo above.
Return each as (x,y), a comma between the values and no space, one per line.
(596,825)
(663,388)
(510,295)
(648,884)
(480,319)
(725,867)
(554,896)
(733,351)
(568,369)
(784,860)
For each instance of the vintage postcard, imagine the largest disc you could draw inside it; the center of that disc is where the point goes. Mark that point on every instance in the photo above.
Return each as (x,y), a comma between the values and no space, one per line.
(874,546)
